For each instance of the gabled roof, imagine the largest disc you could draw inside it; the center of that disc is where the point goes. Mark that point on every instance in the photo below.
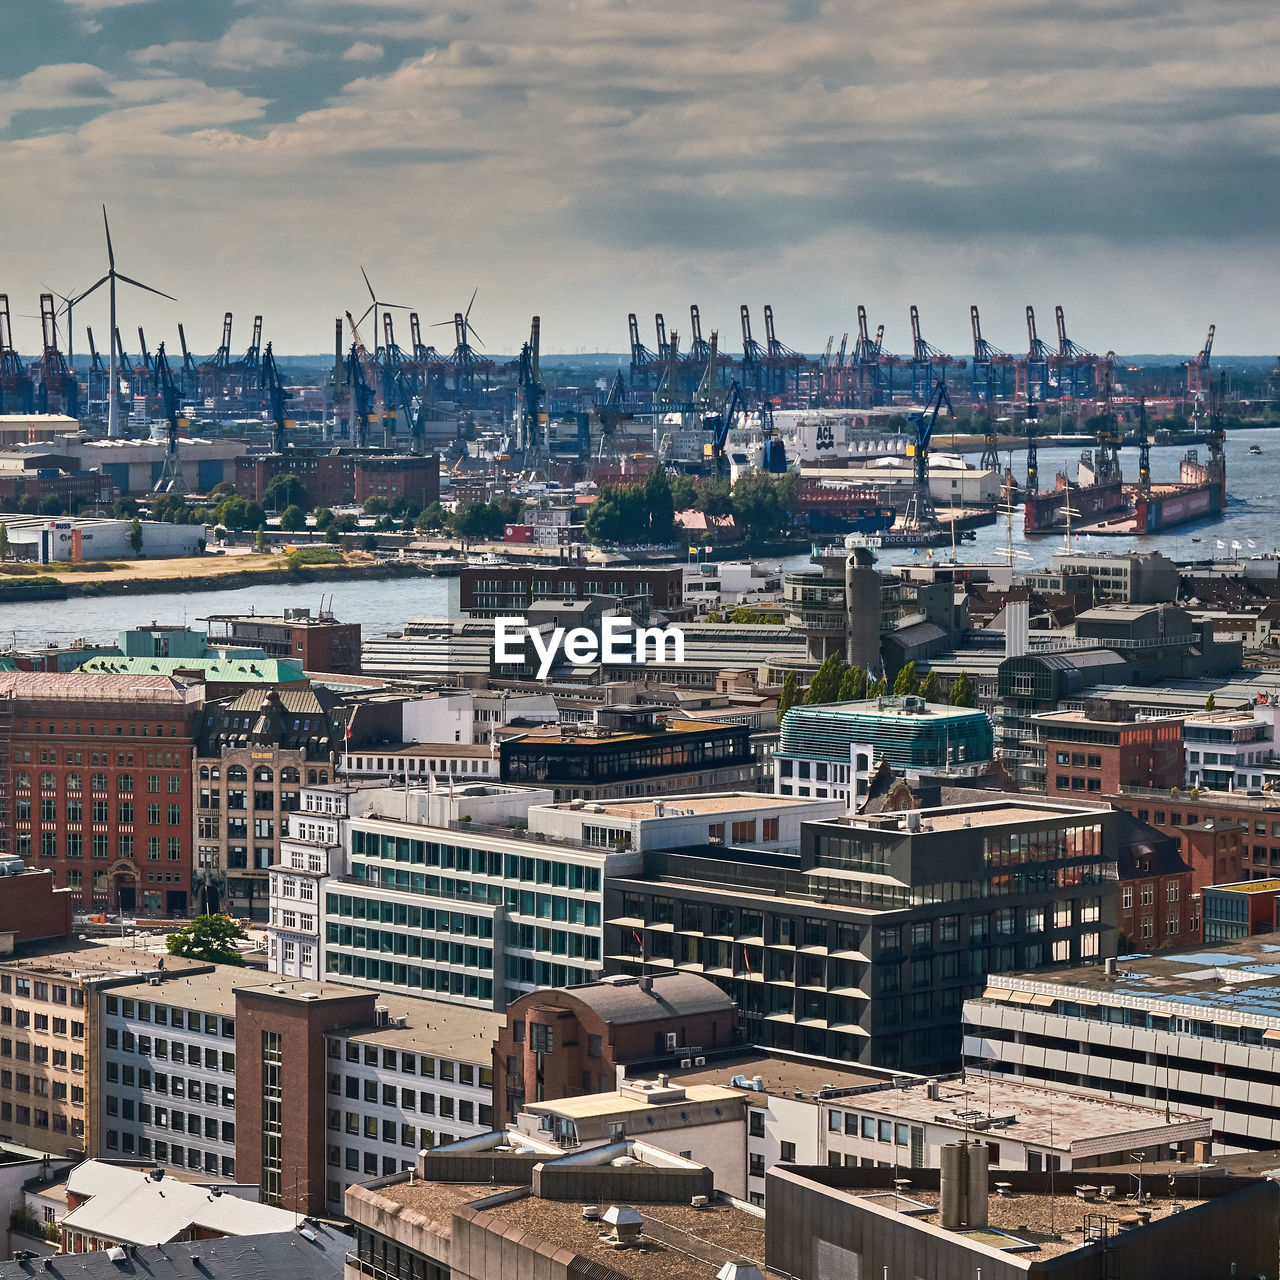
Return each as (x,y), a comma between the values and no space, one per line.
(668,995)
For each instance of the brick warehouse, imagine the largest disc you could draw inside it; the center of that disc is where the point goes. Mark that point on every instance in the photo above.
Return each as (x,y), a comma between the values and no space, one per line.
(332,478)
(95,785)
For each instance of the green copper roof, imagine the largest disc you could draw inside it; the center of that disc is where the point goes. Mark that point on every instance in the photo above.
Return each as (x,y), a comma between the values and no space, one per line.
(215,670)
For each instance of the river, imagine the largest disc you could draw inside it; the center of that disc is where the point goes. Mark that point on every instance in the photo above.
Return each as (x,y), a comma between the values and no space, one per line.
(1253,483)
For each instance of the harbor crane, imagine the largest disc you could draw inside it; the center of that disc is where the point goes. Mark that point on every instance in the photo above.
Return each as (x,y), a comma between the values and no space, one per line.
(643,360)
(17,390)
(362,378)
(990,365)
(1035,368)
(58,384)
(171,479)
(928,363)
(273,389)
(920,512)
(1077,367)
(1199,380)
(531,420)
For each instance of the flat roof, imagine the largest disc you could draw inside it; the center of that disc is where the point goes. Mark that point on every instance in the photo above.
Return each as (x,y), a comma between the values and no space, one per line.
(677,724)
(1002,813)
(213,992)
(617,1103)
(781,1077)
(729,802)
(1249,886)
(433,1027)
(889,707)
(90,959)
(1223,982)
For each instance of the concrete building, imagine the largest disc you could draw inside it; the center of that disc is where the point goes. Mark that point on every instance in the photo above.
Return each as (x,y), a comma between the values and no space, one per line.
(1198,1030)
(319,644)
(1126,577)
(831,750)
(134,466)
(1101,749)
(254,753)
(863,946)
(491,591)
(76,538)
(1235,911)
(32,909)
(96,785)
(1232,750)
(569,1041)
(948,1225)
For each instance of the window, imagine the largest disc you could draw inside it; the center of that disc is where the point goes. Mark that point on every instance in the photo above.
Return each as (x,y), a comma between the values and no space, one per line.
(756,1123)
(788,1155)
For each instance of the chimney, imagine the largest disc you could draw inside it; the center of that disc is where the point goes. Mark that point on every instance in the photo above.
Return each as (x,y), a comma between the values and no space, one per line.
(964,1186)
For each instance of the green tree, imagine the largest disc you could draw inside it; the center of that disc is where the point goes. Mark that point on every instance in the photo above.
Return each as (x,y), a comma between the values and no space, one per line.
(684,493)
(324,517)
(853,685)
(4,541)
(368,543)
(1211,703)
(376,506)
(790,694)
(239,514)
(293,518)
(433,517)
(619,514)
(52,505)
(135,536)
(931,687)
(124,508)
(171,508)
(826,682)
(756,506)
(962,694)
(715,498)
(209,938)
(285,491)
(660,506)
(260,538)
(223,490)
(908,683)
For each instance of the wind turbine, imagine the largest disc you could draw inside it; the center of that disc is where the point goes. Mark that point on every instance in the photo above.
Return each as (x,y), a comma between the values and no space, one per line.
(373,306)
(113,391)
(462,326)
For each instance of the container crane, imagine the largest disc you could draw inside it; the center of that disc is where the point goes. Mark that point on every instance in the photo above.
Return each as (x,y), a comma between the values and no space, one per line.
(1198,375)
(927,362)
(171,479)
(642,359)
(531,419)
(58,384)
(753,354)
(1107,467)
(867,352)
(362,378)
(1077,367)
(270,384)
(987,360)
(1035,368)
(1144,446)
(17,390)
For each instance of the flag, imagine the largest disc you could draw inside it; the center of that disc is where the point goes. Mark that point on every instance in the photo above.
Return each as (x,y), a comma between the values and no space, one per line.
(1253,546)
(1222,546)
(1235,546)
(746,959)
(639,942)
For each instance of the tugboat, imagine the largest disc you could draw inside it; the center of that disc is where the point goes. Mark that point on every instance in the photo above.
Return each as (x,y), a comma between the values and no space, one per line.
(1253,448)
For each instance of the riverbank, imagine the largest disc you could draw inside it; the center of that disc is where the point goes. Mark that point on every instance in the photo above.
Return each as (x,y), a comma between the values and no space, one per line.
(160,577)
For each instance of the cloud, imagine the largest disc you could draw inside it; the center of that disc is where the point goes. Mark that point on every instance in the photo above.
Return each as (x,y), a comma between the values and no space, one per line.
(249,43)
(363,51)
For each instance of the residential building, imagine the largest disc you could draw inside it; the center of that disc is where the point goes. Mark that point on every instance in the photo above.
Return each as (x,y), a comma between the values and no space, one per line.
(254,753)
(1158,906)
(1232,750)
(110,1205)
(1224,835)
(336,476)
(96,785)
(48,1072)
(632,751)
(951,1224)
(568,1041)
(321,643)
(863,947)
(285,1255)
(1196,1030)
(831,750)
(1102,749)
(492,591)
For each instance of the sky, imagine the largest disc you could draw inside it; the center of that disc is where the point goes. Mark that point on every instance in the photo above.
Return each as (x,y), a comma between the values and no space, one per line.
(581,159)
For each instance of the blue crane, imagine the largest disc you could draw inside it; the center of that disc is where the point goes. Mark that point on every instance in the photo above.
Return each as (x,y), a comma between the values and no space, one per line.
(171,479)
(269,381)
(918,450)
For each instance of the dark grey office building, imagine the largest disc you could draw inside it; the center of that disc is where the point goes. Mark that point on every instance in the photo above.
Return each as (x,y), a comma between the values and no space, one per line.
(864,945)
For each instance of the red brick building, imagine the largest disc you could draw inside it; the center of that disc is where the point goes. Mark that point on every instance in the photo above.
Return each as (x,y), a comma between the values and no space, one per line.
(343,477)
(569,1041)
(96,785)
(320,644)
(1155,905)
(490,591)
(1086,753)
(32,909)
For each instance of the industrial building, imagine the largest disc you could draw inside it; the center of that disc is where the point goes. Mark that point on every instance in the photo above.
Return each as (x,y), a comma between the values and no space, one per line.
(75,538)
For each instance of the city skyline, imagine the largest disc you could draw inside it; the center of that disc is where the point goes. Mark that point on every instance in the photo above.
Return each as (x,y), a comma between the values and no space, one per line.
(588,160)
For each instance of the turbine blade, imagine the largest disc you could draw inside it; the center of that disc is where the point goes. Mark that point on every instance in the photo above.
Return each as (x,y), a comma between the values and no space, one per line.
(368,286)
(466,314)
(81,296)
(137,284)
(111,253)
(471,330)
(367,309)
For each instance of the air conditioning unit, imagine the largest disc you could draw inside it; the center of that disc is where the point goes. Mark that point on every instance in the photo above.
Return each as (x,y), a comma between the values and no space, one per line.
(699,1062)
(686,1062)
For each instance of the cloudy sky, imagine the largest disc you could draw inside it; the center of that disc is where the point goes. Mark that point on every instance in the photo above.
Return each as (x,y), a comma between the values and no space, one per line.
(585,158)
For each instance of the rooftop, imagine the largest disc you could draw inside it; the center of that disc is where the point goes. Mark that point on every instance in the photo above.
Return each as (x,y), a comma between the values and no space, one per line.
(432,1027)
(617,1102)
(85,686)
(565,735)
(210,992)
(91,960)
(910,708)
(729,802)
(621,1001)
(1232,983)
(780,1077)
(1247,886)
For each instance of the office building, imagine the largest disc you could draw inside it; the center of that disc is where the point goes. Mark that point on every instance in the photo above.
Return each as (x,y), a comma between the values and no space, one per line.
(95,785)
(510,590)
(863,946)
(1235,911)
(320,643)
(1232,750)
(1195,1030)
(831,750)
(1100,750)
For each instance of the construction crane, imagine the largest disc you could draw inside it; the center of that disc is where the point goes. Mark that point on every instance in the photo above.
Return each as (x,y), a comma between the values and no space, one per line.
(1144,446)
(920,513)
(720,422)
(171,479)
(987,360)
(1198,375)
(1107,468)
(271,386)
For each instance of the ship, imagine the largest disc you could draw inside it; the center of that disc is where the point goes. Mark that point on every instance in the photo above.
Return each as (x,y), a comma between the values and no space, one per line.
(1097,495)
(1200,494)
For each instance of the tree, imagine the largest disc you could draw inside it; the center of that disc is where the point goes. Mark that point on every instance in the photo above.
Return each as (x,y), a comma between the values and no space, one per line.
(684,493)
(962,694)
(1211,703)
(324,517)
(260,538)
(931,687)
(52,505)
(4,541)
(135,536)
(369,543)
(285,491)
(659,506)
(433,517)
(293,518)
(239,514)
(758,505)
(209,938)
(223,490)
(790,694)
(825,685)
(715,498)
(853,685)
(124,508)
(376,506)
(908,683)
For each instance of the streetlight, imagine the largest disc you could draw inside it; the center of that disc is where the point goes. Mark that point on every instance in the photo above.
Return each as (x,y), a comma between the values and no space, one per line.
(1138,1157)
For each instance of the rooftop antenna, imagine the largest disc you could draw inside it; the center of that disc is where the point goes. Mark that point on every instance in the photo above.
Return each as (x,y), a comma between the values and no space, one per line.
(113,390)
